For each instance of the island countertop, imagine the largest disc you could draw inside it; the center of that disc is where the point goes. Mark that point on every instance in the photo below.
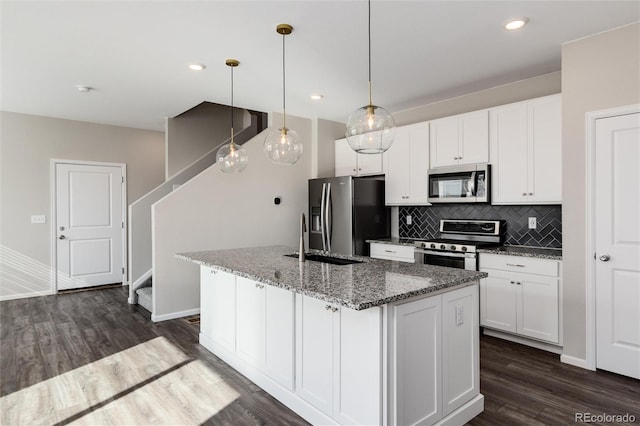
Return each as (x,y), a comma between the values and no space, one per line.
(359,286)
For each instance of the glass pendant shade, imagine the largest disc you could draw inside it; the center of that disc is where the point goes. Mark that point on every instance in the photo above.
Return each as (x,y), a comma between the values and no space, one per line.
(232,158)
(370,130)
(283,146)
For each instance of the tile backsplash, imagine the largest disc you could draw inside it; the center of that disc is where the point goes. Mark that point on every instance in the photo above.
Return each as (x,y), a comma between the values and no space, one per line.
(425,222)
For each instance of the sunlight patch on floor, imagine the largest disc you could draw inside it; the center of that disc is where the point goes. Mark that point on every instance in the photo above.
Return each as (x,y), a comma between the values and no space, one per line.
(151,383)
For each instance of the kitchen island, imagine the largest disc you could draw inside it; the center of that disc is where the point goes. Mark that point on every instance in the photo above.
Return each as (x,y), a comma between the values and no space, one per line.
(377,342)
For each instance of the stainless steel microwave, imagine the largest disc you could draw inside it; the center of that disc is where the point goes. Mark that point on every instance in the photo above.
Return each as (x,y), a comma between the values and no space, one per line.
(460,184)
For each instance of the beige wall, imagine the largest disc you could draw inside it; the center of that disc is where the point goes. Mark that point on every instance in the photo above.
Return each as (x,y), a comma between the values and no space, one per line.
(218,210)
(323,147)
(186,142)
(598,72)
(27,143)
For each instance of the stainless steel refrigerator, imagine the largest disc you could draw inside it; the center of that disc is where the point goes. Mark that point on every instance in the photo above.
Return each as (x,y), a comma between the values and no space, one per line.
(346,211)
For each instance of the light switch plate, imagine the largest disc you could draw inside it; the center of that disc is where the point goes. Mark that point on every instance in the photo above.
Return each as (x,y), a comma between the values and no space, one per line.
(408,219)
(38,218)
(533,223)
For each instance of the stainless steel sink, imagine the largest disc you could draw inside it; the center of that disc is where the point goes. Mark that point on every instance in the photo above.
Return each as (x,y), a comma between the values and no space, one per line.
(326,259)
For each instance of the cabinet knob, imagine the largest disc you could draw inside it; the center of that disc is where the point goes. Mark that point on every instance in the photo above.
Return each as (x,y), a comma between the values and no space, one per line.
(518,283)
(327,307)
(531,193)
(524,194)
(512,282)
(455,158)
(459,158)
(334,309)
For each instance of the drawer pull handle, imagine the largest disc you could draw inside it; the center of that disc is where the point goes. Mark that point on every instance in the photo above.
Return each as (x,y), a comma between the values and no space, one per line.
(390,251)
(512,282)
(516,265)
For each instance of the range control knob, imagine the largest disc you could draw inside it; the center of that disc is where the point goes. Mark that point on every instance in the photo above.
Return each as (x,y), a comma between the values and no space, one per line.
(453,248)
(464,248)
(432,246)
(443,247)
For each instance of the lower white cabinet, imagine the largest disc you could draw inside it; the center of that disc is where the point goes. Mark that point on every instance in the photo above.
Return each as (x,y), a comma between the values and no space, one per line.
(338,350)
(407,362)
(218,319)
(398,252)
(435,356)
(521,295)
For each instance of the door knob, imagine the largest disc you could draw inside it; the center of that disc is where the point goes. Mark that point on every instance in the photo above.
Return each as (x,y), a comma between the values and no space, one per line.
(61,237)
(605,257)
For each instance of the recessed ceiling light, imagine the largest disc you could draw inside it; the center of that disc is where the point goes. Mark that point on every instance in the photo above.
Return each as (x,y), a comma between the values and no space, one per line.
(316,97)
(197,67)
(515,24)
(84,89)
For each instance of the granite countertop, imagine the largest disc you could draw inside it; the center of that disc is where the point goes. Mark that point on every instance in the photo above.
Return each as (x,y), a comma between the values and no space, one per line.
(359,286)
(395,241)
(525,251)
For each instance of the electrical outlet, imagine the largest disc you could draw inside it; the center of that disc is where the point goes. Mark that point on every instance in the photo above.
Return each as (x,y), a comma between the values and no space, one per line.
(408,219)
(38,218)
(533,223)
(459,315)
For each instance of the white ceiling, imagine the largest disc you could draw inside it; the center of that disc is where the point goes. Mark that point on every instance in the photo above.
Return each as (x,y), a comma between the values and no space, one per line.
(135,54)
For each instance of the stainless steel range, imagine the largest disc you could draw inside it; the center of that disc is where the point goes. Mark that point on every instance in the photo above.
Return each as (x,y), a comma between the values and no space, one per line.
(458,243)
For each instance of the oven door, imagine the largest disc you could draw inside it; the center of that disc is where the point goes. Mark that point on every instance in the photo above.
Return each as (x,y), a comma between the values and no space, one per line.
(449,259)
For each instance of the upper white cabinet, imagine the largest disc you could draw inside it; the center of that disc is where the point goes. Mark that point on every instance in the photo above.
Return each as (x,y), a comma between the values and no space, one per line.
(526,152)
(406,164)
(460,139)
(350,163)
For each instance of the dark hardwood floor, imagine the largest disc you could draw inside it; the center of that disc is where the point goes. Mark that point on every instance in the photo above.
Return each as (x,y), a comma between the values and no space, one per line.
(47,344)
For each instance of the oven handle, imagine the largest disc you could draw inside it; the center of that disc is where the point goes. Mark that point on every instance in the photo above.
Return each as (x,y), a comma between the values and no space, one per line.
(445,253)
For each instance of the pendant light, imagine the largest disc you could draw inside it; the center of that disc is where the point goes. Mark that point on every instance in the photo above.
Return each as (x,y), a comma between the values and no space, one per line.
(231,157)
(283,146)
(370,129)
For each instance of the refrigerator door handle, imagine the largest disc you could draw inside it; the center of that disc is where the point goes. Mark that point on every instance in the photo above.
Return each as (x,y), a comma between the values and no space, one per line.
(329,208)
(322,218)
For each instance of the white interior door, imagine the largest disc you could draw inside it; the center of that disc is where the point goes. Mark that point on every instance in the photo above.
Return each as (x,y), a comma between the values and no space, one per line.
(617,243)
(89,225)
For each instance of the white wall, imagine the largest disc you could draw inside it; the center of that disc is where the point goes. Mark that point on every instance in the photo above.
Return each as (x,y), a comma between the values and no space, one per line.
(27,143)
(186,142)
(598,72)
(217,210)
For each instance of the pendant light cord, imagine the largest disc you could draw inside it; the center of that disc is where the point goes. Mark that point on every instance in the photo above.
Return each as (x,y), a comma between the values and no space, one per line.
(231,105)
(369,31)
(284,127)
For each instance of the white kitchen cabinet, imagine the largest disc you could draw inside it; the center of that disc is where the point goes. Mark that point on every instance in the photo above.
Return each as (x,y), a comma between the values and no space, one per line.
(526,152)
(459,139)
(435,356)
(521,295)
(350,163)
(397,252)
(218,319)
(264,333)
(337,350)
(406,164)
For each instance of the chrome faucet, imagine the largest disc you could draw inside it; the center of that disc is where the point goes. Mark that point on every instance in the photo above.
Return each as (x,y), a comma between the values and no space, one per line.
(303,229)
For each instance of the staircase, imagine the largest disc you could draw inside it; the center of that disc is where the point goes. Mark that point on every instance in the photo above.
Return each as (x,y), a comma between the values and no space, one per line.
(140,221)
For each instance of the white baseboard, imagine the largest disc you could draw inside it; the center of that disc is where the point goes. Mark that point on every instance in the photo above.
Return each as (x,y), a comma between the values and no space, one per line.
(174,315)
(26,295)
(465,413)
(576,362)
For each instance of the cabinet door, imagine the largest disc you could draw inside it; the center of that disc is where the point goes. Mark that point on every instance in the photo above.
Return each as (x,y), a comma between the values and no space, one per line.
(397,183)
(416,391)
(509,154)
(314,352)
(250,317)
(369,164)
(358,367)
(538,306)
(460,348)
(419,163)
(279,356)
(219,300)
(443,142)
(545,150)
(345,159)
(474,138)
(498,301)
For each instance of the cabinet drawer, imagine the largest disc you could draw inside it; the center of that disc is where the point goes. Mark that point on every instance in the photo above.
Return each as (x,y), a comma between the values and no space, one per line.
(527,265)
(392,252)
